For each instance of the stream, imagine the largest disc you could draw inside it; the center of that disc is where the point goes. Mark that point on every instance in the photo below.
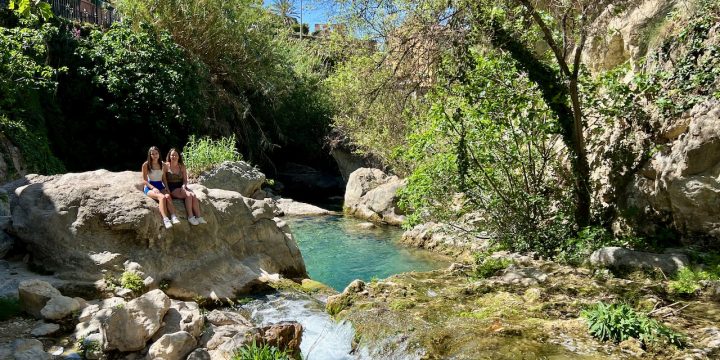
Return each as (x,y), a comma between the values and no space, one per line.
(336,251)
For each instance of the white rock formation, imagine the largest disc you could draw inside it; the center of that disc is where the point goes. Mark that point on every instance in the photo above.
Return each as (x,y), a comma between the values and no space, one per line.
(372,195)
(79,225)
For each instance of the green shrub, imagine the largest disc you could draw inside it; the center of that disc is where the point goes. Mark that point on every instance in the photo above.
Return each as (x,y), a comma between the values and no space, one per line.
(204,153)
(260,352)
(486,266)
(619,322)
(687,280)
(9,307)
(33,145)
(24,75)
(131,280)
(576,249)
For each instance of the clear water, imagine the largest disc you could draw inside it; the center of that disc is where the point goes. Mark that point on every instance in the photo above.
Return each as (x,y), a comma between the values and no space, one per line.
(322,339)
(337,251)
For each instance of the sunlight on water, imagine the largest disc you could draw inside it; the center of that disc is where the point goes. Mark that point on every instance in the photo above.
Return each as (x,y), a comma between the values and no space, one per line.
(337,251)
(323,338)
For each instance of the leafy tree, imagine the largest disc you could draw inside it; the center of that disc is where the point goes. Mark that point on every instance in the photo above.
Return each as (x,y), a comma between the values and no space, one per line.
(31,11)
(512,26)
(248,55)
(125,90)
(26,81)
(490,140)
(564,27)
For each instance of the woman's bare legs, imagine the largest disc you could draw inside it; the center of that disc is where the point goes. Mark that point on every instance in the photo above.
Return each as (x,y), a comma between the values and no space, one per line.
(169,203)
(160,198)
(192,205)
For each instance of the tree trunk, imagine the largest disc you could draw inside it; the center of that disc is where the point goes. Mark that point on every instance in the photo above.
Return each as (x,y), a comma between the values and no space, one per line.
(581,166)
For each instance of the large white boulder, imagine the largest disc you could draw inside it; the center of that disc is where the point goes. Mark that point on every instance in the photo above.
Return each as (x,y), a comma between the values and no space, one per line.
(623,32)
(175,346)
(236,176)
(621,258)
(79,225)
(182,316)
(59,307)
(34,294)
(372,195)
(129,327)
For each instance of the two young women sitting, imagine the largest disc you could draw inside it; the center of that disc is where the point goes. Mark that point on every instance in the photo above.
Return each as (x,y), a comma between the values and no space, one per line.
(165,181)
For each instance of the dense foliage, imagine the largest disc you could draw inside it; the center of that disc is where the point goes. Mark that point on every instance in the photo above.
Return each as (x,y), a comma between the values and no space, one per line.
(25,83)
(125,90)
(490,139)
(100,97)
(260,86)
(619,322)
(501,124)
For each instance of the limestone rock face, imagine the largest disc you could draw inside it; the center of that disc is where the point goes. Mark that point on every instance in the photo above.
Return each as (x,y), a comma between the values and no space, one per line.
(617,257)
(78,225)
(347,162)
(623,36)
(129,327)
(12,164)
(681,183)
(236,176)
(372,195)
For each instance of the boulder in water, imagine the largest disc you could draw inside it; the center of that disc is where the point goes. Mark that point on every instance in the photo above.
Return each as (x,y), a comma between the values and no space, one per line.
(372,195)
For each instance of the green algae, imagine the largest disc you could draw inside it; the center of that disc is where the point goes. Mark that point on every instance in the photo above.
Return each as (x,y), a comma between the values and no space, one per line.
(450,315)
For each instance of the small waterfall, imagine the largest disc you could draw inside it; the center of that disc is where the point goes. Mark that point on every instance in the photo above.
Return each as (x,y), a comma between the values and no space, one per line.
(323,338)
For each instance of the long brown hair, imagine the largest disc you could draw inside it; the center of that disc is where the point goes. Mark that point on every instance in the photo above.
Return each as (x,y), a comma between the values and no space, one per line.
(180,161)
(149,158)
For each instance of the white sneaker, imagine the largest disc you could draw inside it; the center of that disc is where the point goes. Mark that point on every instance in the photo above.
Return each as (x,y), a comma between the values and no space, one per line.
(193,221)
(175,220)
(200,220)
(167,223)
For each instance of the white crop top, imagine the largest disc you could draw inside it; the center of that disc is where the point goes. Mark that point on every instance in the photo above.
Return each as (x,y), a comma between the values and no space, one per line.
(155,175)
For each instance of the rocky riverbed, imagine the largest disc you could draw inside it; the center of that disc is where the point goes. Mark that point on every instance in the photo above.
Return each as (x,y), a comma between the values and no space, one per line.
(531,310)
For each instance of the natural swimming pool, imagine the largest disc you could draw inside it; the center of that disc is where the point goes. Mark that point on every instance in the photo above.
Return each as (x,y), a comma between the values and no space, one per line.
(337,250)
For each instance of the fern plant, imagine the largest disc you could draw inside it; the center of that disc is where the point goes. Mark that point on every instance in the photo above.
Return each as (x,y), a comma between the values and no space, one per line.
(619,322)
(254,351)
